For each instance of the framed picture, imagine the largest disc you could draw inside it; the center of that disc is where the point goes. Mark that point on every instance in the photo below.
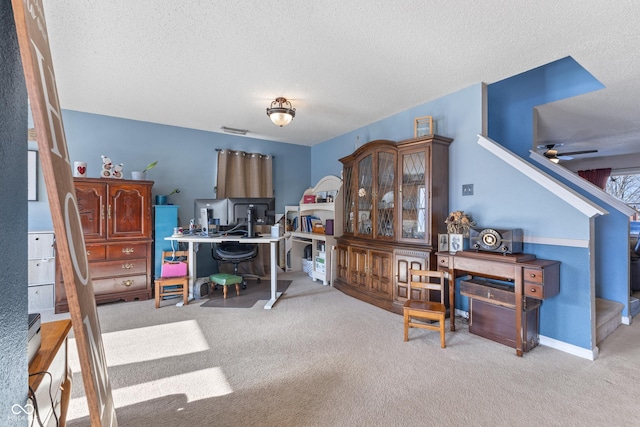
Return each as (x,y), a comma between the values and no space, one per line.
(443,242)
(455,243)
(32,177)
(423,126)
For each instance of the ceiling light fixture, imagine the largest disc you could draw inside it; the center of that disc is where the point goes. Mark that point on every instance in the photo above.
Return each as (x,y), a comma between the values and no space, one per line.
(234,130)
(281,112)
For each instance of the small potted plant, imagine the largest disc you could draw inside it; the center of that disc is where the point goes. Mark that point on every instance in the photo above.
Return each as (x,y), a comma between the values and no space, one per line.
(141,176)
(163,199)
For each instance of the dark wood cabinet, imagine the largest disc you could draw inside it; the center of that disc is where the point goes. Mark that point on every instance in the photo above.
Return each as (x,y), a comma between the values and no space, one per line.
(116,222)
(396,197)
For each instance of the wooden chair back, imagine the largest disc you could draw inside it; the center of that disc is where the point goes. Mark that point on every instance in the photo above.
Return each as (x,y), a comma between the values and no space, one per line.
(418,312)
(428,285)
(176,285)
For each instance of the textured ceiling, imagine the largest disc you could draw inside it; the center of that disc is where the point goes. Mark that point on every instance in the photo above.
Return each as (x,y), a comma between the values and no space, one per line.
(343,64)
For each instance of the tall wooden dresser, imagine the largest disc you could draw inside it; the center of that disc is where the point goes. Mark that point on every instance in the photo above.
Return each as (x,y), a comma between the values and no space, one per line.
(117,226)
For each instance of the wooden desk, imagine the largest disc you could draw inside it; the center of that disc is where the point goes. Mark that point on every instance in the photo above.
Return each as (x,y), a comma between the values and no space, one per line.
(272,241)
(532,277)
(53,358)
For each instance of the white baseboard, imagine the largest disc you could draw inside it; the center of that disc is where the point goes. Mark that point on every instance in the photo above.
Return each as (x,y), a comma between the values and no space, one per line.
(570,348)
(558,345)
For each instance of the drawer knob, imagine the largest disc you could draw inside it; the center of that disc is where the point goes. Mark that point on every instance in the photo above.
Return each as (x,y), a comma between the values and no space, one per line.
(532,290)
(88,253)
(127,251)
(127,282)
(533,274)
(127,266)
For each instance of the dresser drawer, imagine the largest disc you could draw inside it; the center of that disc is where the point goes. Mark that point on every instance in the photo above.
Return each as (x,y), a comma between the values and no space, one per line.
(443,261)
(40,298)
(125,267)
(41,270)
(119,284)
(127,250)
(534,290)
(488,291)
(96,253)
(535,275)
(40,245)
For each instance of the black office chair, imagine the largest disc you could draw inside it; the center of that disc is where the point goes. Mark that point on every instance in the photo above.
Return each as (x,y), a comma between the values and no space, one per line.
(235,253)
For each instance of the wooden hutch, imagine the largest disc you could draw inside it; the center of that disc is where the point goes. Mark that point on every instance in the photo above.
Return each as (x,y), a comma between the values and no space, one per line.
(116,222)
(396,197)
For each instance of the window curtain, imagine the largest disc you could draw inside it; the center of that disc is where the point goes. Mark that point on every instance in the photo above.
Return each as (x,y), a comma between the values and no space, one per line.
(597,177)
(243,174)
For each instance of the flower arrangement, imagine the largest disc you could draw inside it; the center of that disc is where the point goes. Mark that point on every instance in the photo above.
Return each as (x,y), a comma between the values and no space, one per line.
(459,222)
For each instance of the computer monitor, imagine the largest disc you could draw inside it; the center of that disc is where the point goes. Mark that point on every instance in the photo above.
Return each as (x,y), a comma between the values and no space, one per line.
(216,209)
(264,209)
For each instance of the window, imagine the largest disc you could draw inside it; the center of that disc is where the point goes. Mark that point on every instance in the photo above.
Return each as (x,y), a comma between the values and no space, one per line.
(627,189)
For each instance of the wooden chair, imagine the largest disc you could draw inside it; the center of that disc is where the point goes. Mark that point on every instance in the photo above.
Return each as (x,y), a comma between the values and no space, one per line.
(173,285)
(427,311)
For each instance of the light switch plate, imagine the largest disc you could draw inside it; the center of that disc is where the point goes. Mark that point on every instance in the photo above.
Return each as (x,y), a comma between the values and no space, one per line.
(467,189)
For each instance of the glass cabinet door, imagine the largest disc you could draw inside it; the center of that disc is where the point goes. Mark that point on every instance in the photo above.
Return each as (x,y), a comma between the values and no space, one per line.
(414,196)
(365,187)
(384,195)
(350,198)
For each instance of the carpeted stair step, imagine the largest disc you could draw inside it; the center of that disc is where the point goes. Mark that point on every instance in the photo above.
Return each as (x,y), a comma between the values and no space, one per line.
(608,318)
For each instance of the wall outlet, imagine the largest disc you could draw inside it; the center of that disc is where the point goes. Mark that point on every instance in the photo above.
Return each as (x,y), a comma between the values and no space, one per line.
(467,189)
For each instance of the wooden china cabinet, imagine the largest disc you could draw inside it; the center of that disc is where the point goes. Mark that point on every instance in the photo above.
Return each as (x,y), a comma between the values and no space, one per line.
(116,222)
(396,197)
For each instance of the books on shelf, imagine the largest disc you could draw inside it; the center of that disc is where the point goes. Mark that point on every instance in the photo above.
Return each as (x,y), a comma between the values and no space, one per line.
(309,223)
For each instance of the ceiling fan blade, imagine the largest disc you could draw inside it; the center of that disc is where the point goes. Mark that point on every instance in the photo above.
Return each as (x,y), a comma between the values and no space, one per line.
(575,153)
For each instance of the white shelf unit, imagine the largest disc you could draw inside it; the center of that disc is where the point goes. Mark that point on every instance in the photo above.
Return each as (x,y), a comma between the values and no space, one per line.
(322,245)
(41,271)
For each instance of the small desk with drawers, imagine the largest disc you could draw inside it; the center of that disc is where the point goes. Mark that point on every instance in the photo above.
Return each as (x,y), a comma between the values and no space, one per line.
(533,279)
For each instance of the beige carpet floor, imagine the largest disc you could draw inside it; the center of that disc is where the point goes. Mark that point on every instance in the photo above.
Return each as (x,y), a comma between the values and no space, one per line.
(321,358)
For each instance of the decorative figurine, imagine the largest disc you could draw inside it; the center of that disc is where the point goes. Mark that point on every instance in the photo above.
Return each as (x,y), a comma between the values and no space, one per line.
(117,171)
(107,167)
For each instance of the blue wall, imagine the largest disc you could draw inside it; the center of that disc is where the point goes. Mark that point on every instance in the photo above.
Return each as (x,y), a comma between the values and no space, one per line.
(457,116)
(511,101)
(186,160)
(511,105)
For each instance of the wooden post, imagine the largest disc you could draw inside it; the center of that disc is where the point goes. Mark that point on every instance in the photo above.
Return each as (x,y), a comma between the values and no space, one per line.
(33,40)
